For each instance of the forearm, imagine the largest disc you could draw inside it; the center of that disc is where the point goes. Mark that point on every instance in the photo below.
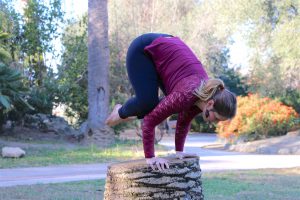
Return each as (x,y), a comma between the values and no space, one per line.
(148,139)
(183,126)
(173,103)
(180,138)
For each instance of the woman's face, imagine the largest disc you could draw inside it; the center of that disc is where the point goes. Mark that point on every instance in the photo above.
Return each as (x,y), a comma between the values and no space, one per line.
(210,115)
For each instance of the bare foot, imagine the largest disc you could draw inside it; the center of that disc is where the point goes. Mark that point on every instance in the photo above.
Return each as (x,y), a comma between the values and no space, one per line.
(114,118)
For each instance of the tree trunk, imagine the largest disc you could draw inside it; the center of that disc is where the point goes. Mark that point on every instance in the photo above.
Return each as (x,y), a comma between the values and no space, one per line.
(98,67)
(134,180)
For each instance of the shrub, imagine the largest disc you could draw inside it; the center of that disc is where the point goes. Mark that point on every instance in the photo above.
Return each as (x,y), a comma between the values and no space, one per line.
(12,92)
(292,98)
(199,125)
(258,118)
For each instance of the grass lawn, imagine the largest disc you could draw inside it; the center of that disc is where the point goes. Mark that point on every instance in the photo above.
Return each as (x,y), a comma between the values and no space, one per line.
(40,155)
(82,190)
(274,184)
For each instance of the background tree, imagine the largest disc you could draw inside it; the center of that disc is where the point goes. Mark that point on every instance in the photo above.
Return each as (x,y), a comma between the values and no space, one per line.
(10,23)
(30,35)
(98,63)
(40,27)
(12,91)
(270,29)
(72,73)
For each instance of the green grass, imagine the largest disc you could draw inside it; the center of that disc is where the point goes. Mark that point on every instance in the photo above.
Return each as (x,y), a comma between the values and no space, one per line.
(252,185)
(82,190)
(45,156)
(276,184)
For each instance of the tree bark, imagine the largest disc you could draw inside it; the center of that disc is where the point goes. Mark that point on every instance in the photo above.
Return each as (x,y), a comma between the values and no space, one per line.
(134,180)
(98,67)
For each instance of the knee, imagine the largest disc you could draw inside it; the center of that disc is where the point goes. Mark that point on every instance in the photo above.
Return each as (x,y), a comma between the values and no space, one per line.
(148,105)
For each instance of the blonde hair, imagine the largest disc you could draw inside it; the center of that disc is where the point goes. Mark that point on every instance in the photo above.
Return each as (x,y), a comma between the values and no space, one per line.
(224,100)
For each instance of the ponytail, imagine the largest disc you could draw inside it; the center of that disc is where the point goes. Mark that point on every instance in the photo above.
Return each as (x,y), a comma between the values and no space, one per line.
(208,88)
(224,100)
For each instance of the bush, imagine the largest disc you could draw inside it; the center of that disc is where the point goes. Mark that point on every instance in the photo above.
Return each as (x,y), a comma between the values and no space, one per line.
(199,125)
(292,98)
(258,118)
(12,92)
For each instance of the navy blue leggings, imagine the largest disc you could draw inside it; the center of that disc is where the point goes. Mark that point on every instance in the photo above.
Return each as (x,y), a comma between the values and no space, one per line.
(143,78)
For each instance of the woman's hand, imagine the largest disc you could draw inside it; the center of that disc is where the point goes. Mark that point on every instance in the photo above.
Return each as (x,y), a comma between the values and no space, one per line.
(181,155)
(160,163)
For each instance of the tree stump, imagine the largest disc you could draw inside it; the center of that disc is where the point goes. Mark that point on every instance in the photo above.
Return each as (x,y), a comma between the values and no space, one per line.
(134,180)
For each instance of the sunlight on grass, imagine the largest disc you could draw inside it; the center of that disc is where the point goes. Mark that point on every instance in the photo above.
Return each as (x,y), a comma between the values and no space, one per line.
(275,184)
(62,191)
(120,151)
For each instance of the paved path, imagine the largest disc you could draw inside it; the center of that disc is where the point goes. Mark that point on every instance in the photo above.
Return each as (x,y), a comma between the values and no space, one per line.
(53,174)
(223,160)
(210,160)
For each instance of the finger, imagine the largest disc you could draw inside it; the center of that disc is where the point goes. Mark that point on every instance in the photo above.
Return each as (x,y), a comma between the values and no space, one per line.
(158,166)
(167,165)
(162,165)
(152,166)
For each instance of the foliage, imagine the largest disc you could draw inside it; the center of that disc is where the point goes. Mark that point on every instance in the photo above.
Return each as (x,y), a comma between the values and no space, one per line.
(270,30)
(292,98)
(234,81)
(43,98)
(31,34)
(40,27)
(72,73)
(28,39)
(10,24)
(173,17)
(272,34)
(9,82)
(258,118)
(4,55)
(12,91)
(199,125)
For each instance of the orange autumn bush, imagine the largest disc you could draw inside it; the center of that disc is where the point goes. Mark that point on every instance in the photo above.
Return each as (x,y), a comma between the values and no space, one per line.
(257,118)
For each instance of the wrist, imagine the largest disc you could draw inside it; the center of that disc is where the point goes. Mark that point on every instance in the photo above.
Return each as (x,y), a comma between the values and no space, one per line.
(149,157)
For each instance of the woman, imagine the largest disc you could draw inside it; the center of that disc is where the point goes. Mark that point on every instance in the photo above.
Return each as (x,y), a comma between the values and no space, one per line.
(162,61)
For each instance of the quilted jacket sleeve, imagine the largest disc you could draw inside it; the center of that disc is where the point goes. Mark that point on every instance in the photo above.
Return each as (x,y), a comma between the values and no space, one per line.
(175,102)
(183,125)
